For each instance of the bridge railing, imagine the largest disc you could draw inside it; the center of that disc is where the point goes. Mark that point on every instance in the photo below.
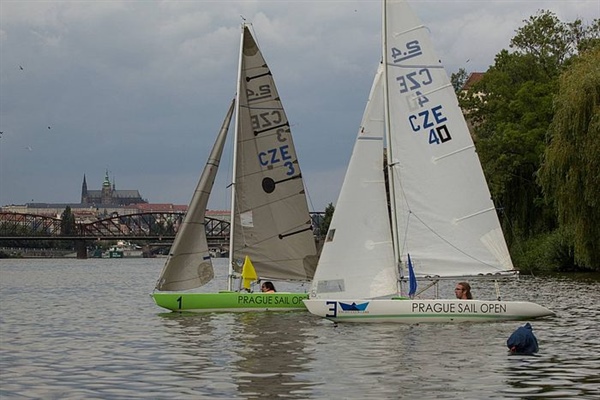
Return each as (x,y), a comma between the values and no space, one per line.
(139,225)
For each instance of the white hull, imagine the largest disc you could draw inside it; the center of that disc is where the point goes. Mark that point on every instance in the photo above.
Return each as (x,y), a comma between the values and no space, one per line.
(408,311)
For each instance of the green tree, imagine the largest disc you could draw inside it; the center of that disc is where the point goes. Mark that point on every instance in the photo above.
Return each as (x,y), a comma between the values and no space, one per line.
(67,222)
(510,123)
(570,173)
(514,113)
(326,219)
(551,41)
(458,79)
(67,227)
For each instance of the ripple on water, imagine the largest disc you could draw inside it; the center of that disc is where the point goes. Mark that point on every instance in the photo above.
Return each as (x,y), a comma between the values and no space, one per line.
(88,329)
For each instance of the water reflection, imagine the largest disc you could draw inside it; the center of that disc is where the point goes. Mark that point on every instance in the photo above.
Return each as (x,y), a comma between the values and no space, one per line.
(569,360)
(272,355)
(252,354)
(74,329)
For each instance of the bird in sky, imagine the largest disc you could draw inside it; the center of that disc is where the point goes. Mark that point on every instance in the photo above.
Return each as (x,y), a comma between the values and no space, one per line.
(28,148)
(21,67)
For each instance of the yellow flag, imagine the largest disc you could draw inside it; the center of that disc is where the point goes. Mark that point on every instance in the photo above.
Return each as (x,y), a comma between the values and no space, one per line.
(248,273)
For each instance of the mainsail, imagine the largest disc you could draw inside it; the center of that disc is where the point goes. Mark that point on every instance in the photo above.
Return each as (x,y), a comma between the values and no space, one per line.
(446,219)
(270,216)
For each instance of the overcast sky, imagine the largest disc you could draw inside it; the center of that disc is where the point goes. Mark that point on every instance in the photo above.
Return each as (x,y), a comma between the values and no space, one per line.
(140,88)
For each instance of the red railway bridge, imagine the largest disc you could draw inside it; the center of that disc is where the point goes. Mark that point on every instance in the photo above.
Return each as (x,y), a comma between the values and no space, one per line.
(151,226)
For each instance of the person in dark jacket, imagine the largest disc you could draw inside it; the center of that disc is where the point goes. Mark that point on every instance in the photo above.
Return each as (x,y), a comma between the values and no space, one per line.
(523,341)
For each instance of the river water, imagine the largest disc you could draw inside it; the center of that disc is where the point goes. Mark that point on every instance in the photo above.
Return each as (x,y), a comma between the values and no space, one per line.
(87,329)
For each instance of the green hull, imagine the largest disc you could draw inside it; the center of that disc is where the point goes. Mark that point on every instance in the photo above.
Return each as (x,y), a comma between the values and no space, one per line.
(230,301)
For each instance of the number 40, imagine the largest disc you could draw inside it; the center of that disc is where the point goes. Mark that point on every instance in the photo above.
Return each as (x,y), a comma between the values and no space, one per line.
(439,135)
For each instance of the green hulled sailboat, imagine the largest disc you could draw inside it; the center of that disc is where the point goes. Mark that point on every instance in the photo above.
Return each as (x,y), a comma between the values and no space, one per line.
(270,220)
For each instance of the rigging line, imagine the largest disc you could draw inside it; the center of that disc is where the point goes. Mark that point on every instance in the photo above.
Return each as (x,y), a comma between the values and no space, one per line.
(411,213)
(265,255)
(452,245)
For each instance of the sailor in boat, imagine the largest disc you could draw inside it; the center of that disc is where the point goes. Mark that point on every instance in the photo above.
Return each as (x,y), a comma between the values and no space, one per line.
(463,291)
(268,287)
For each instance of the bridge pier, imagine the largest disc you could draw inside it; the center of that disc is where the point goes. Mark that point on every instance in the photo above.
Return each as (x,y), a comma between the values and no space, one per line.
(81,249)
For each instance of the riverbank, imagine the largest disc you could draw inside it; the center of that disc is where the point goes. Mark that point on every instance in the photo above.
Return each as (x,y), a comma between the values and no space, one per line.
(16,252)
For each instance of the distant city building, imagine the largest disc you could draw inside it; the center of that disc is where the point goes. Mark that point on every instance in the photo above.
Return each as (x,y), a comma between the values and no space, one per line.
(109,195)
(96,204)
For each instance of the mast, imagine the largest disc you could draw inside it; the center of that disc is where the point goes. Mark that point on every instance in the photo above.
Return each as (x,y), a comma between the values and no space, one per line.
(232,220)
(388,137)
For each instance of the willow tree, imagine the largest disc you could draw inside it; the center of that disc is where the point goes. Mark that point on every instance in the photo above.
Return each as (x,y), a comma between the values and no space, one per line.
(570,173)
(511,110)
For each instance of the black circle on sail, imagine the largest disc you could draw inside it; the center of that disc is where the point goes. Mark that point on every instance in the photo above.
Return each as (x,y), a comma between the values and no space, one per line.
(268,185)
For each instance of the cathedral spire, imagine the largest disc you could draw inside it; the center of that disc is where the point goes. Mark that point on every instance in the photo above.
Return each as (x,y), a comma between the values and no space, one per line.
(106,182)
(84,191)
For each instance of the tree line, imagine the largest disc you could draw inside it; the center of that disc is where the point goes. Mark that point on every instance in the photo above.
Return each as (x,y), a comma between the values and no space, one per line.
(535,118)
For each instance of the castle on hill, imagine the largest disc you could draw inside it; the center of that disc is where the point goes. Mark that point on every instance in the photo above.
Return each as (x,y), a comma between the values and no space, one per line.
(96,203)
(109,195)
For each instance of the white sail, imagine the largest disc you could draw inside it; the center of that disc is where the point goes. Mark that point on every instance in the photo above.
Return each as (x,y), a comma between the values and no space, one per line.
(446,219)
(271,221)
(440,208)
(189,265)
(357,257)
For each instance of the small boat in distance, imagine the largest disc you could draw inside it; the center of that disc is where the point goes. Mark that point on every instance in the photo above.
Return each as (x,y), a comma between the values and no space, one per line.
(423,213)
(124,249)
(270,221)
(121,249)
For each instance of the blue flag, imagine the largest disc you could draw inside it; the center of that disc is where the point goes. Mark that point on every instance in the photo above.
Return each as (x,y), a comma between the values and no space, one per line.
(412,279)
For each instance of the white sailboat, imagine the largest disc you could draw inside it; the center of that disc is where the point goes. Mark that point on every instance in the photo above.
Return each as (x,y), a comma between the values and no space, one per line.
(440,214)
(270,221)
